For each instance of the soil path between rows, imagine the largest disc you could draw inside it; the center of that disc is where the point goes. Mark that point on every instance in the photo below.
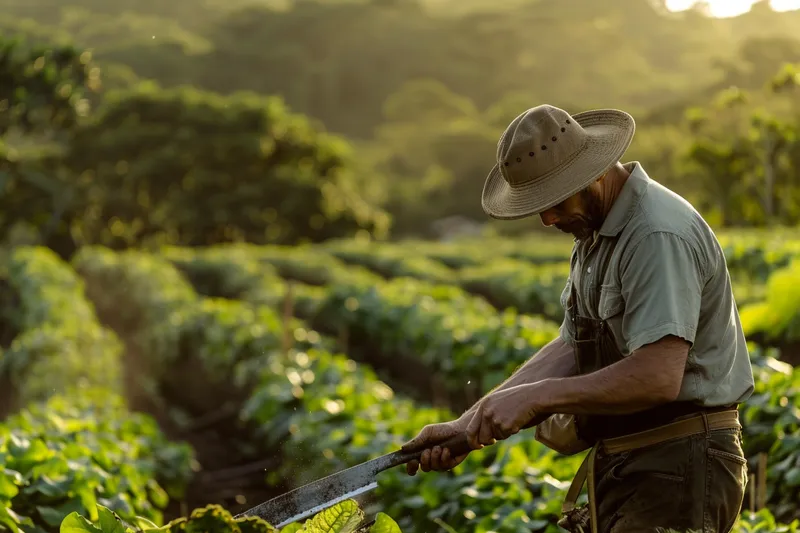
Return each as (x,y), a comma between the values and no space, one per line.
(223,476)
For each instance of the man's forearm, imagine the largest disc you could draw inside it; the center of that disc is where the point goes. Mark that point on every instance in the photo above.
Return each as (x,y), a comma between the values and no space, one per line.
(555,360)
(649,377)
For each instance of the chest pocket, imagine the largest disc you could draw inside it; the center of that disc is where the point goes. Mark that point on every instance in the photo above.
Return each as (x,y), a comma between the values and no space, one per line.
(611,302)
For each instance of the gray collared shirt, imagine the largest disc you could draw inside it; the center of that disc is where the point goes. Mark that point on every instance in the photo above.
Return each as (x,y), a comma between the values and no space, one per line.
(666,275)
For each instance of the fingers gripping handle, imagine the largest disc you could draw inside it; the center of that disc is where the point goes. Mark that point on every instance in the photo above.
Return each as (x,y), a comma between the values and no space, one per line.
(458,445)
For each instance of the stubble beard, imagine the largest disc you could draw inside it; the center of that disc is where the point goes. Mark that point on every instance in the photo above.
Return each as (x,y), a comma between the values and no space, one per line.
(584,225)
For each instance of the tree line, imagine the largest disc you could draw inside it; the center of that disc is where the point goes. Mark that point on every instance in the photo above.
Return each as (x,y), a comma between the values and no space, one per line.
(133,123)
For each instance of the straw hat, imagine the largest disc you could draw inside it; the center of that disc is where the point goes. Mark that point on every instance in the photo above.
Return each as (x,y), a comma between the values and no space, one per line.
(545,156)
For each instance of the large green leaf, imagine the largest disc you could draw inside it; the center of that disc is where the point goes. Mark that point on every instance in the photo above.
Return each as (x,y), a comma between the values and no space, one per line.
(343,517)
(75,523)
(384,524)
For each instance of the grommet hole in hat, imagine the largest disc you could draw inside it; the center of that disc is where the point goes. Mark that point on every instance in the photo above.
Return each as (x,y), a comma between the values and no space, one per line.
(543,147)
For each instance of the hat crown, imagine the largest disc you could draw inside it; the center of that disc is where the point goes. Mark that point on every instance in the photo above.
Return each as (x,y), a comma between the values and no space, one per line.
(538,142)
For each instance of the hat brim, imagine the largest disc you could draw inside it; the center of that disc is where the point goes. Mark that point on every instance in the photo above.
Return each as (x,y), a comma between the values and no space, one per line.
(609,134)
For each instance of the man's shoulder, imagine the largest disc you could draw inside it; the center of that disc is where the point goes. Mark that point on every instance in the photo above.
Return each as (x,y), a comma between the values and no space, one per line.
(663,214)
(662,210)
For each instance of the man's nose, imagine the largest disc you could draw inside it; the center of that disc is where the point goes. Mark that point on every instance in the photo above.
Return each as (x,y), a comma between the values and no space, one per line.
(548,218)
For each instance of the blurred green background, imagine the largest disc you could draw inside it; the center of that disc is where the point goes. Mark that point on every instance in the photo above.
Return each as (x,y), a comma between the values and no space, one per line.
(197,122)
(145,369)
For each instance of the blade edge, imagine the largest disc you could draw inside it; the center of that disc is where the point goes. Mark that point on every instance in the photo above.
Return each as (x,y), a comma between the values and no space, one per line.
(318,492)
(323,506)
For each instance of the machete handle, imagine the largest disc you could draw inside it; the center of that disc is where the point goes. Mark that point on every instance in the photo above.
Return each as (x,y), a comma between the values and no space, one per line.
(457,444)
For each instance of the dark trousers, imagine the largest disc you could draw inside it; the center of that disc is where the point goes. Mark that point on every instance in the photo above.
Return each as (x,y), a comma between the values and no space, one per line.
(695,483)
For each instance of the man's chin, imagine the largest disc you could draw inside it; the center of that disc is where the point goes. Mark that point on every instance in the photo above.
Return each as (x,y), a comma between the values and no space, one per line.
(575,231)
(578,233)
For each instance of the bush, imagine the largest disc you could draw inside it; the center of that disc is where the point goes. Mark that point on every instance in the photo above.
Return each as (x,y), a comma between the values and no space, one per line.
(81,449)
(58,330)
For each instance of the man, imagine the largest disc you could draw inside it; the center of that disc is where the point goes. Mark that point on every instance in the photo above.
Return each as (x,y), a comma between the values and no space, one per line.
(651,342)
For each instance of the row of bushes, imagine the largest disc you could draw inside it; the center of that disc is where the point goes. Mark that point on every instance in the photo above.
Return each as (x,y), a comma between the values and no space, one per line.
(769,417)
(68,442)
(51,331)
(74,456)
(509,274)
(531,280)
(325,412)
(297,395)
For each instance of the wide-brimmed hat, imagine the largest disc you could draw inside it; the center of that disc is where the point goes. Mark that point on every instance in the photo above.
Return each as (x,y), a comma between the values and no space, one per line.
(546,155)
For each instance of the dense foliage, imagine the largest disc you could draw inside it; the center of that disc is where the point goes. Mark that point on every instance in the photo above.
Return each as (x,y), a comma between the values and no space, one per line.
(189,144)
(82,449)
(305,393)
(263,174)
(52,330)
(344,517)
(285,123)
(207,328)
(43,88)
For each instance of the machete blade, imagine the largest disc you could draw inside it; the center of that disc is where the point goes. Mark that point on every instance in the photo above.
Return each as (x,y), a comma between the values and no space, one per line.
(310,499)
(314,497)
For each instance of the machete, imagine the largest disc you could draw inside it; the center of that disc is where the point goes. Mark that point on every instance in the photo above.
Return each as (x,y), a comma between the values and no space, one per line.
(310,499)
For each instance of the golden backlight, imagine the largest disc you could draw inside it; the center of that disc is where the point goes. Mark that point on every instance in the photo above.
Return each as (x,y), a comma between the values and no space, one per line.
(731,8)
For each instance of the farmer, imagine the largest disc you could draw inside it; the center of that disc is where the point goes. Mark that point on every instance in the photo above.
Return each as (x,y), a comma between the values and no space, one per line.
(650,363)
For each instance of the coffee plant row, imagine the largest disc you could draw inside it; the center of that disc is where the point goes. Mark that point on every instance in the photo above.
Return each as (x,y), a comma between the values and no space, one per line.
(221,310)
(407,321)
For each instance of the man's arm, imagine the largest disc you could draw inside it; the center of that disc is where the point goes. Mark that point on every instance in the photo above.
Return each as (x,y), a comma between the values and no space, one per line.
(555,360)
(650,376)
(662,280)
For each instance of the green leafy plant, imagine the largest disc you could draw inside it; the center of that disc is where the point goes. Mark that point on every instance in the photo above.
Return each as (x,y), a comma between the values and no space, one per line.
(755,256)
(776,319)
(344,517)
(58,330)
(81,449)
(763,522)
(771,422)
(513,283)
(390,261)
(325,412)
(460,337)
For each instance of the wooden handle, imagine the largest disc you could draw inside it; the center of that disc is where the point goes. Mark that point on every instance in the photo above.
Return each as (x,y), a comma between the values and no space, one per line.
(458,445)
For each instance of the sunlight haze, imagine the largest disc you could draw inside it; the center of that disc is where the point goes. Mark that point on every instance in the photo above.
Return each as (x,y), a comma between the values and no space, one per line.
(731,8)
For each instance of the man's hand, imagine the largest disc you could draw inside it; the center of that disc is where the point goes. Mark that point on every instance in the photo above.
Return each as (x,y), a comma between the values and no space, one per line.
(502,414)
(434,457)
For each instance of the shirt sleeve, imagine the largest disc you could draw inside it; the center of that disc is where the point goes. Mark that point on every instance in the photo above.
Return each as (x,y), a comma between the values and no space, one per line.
(662,284)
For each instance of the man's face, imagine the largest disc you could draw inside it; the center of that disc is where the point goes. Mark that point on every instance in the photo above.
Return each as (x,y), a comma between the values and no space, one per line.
(580,214)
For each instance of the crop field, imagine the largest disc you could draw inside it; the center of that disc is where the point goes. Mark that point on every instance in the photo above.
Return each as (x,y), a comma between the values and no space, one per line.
(177,387)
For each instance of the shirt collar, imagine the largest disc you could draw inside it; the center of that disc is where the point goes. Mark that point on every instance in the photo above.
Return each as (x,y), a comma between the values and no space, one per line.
(627,201)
